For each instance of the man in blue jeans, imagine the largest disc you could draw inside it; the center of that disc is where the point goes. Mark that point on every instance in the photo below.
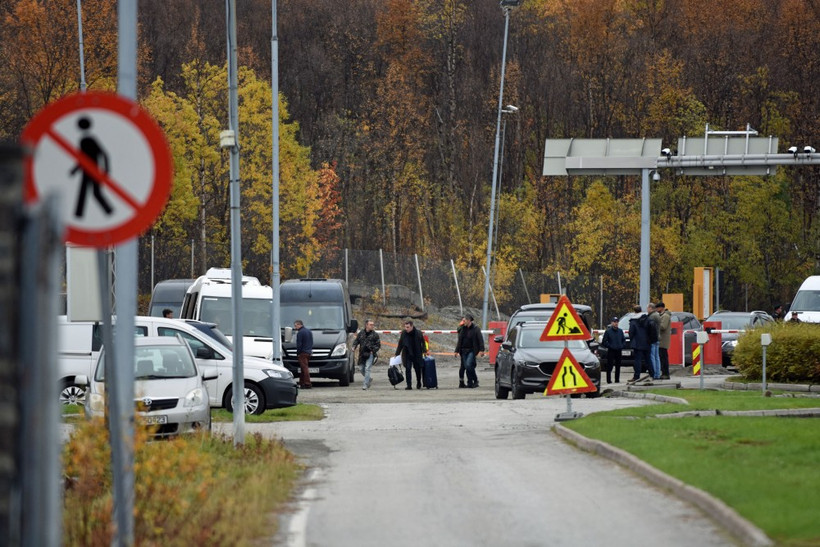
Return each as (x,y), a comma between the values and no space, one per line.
(369,344)
(470,344)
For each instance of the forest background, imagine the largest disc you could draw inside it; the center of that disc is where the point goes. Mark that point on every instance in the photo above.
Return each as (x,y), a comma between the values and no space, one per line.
(387,122)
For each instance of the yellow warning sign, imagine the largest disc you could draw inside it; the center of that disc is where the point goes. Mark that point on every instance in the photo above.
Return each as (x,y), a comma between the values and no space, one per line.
(565,324)
(569,377)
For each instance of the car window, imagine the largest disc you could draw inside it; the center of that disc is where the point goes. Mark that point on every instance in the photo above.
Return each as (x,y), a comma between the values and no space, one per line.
(140,331)
(192,341)
(513,335)
(156,362)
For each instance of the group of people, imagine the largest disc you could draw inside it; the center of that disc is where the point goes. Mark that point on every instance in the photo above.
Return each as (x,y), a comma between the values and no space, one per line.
(650,335)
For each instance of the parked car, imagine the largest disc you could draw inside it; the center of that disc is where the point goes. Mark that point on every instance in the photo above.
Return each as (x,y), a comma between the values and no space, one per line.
(690,326)
(169,389)
(525,364)
(736,320)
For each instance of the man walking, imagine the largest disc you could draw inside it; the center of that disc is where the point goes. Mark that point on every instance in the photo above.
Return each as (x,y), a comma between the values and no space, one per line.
(304,347)
(369,344)
(654,341)
(411,349)
(613,342)
(664,338)
(469,344)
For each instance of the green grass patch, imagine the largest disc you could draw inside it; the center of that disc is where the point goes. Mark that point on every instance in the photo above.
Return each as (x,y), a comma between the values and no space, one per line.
(197,490)
(766,468)
(298,413)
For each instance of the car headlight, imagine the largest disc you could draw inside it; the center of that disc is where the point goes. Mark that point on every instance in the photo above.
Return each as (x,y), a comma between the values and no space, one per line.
(529,364)
(96,402)
(195,397)
(281,374)
(339,351)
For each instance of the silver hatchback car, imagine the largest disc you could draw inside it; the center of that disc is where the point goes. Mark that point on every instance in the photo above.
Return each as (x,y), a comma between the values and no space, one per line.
(169,391)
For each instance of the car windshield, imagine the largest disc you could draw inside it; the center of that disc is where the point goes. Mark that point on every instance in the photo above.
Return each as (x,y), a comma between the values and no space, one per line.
(806,301)
(731,322)
(315,316)
(256,315)
(530,338)
(154,362)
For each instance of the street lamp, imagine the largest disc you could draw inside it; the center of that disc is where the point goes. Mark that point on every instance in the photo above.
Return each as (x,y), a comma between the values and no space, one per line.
(507,6)
(496,203)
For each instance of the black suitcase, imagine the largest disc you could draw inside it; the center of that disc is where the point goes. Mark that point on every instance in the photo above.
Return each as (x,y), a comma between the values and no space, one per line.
(394,375)
(429,377)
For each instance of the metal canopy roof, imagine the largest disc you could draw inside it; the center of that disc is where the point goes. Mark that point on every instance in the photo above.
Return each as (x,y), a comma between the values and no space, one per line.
(563,157)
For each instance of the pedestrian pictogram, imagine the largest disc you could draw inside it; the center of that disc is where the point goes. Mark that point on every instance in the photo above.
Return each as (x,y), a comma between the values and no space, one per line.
(107,159)
(565,324)
(695,360)
(568,377)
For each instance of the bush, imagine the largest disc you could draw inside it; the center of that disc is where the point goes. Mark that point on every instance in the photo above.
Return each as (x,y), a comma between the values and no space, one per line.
(793,356)
(189,491)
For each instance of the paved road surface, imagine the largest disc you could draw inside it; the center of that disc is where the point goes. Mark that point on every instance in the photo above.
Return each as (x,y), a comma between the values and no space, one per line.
(455,467)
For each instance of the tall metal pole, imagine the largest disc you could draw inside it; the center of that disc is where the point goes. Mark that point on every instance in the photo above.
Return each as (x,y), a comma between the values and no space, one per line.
(495,171)
(275,278)
(125,260)
(80,35)
(644,273)
(236,248)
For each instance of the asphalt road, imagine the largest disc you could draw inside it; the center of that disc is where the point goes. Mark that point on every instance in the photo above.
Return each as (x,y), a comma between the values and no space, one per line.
(454,467)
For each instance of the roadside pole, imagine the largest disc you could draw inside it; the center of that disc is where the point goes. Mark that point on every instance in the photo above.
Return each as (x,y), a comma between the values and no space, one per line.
(765,340)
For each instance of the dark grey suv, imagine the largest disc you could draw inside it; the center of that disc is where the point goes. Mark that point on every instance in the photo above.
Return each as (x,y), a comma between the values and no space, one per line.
(525,364)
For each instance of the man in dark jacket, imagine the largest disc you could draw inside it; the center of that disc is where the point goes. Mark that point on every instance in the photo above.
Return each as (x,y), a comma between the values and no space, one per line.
(304,347)
(369,344)
(639,340)
(470,343)
(411,349)
(613,342)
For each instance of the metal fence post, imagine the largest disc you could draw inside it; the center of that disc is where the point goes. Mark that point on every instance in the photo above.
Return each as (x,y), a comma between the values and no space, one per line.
(418,276)
(458,291)
(381,264)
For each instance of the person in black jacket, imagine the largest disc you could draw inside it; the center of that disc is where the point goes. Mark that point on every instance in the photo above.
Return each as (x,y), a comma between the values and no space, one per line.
(470,344)
(641,331)
(613,342)
(369,344)
(411,349)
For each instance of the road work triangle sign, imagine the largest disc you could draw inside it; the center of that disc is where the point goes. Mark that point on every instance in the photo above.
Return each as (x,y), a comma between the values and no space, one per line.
(569,377)
(564,324)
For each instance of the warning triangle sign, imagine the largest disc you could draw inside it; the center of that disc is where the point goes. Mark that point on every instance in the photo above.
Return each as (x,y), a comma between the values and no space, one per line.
(564,324)
(569,377)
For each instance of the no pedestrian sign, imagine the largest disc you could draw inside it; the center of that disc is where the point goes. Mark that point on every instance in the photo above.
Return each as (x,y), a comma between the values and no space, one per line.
(108,160)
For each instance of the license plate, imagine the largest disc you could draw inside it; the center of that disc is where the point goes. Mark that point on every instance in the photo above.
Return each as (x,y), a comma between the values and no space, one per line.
(155,420)
(627,352)
(314,370)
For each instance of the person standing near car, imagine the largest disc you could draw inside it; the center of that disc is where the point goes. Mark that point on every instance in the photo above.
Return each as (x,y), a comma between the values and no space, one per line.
(304,348)
(411,349)
(369,344)
(654,342)
(639,340)
(470,343)
(664,338)
(613,342)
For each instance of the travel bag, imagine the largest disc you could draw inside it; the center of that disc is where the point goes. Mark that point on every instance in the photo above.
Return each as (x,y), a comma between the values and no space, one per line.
(394,375)
(428,375)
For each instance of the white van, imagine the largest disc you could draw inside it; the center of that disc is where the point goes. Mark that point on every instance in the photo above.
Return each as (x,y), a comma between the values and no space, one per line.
(79,346)
(806,302)
(209,299)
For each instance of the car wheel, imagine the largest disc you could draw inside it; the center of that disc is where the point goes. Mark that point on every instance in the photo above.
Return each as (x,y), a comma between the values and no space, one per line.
(517,390)
(594,394)
(344,381)
(254,399)
(352,375)
(72,394)
(501,392)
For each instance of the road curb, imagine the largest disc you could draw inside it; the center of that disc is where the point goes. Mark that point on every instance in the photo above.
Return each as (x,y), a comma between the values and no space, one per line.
(725,516)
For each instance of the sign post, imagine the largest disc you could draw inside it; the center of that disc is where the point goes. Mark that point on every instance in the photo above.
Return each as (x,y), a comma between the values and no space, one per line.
(568,376)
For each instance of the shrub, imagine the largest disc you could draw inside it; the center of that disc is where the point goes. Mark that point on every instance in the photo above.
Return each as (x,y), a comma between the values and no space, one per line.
(187,491)
(793,356)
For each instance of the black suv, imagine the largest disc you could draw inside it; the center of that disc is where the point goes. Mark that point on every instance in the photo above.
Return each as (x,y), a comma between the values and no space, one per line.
(737,320)
(543,312)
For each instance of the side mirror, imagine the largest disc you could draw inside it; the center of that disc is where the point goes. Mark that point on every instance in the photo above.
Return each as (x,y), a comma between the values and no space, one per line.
(288,335)
(209,376)
(354,326)
(498,339)
(81,380)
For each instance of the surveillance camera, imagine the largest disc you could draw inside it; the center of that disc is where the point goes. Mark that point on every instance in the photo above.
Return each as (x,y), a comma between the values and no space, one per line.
(793,150)
(511,108)
(809,150)
(666,152)
(656,176)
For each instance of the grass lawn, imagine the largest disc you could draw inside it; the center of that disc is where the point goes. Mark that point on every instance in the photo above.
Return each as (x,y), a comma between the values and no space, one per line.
(300,412)
(768,469)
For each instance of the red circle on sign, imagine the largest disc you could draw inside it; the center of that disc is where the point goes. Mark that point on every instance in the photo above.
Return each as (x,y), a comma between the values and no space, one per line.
(41,127)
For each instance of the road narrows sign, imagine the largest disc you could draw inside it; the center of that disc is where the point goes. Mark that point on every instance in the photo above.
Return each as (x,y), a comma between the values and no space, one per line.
(569,377)
(108,159)
(565,324)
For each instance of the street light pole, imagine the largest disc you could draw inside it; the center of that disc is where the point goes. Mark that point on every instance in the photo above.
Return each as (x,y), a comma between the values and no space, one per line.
(509,109)
(507,6)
